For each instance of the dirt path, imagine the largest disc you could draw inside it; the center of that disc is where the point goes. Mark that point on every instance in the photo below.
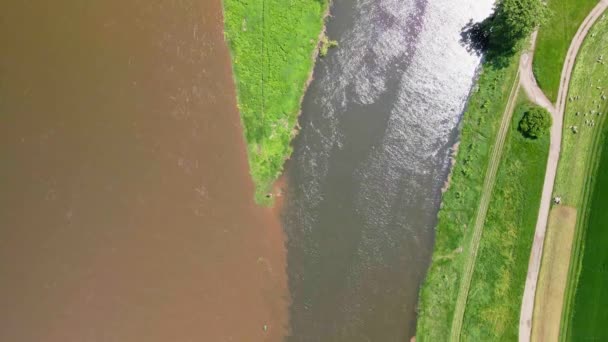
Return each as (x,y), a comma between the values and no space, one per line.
(486,195)
(553,279)
(529,84)
(528,81)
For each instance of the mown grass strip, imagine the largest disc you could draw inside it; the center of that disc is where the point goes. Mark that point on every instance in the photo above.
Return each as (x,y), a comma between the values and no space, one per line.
(585,112)
(273,45)
(554,40)
(578,175)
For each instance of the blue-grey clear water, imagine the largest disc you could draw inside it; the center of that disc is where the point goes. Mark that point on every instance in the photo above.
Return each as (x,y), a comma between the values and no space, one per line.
(364,183)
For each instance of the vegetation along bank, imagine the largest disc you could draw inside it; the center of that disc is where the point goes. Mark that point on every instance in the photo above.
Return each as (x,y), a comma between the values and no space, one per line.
(274,44)
(489,306)
(460,202)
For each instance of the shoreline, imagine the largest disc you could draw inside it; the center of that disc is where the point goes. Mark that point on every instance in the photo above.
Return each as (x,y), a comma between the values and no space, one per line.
(459,203)
(279,184)
(315,57)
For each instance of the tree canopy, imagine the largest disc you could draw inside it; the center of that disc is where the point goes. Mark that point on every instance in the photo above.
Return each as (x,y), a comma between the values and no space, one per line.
(535,122)
(501,34)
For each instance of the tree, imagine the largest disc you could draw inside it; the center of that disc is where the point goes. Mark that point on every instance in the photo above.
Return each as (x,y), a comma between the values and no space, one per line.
(517,19)
(535,122)
(500,35)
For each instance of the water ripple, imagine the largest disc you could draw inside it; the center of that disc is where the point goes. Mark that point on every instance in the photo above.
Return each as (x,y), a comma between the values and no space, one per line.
(378,123)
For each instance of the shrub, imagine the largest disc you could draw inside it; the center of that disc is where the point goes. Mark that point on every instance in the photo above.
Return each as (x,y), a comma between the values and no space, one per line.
(326,44)
(535,122)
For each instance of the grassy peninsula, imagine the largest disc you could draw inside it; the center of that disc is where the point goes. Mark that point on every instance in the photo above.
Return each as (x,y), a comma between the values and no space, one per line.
(586,315)
(273,44)
(497,286)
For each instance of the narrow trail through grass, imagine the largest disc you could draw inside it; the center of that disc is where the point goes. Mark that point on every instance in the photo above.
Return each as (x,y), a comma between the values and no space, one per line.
(490,180)
(588,315)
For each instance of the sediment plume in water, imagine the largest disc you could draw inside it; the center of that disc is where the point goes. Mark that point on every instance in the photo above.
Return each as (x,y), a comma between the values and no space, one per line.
(126,209)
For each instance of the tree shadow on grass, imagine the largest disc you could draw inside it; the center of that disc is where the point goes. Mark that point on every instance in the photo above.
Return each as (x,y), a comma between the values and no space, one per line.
(483,39)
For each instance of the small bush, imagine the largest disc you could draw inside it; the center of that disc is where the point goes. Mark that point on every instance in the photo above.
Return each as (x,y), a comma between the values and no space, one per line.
(326,44)
(535,122)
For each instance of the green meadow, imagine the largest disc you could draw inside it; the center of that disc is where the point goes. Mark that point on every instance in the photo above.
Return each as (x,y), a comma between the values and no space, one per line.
(554,40)
(589,314)
(494,302)
(479,127)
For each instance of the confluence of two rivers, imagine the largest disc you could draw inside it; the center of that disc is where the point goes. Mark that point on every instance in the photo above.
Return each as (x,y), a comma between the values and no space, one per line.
(126,212)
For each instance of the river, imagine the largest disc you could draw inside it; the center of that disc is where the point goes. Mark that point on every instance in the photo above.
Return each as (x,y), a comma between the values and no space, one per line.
(364,183)
(126,210)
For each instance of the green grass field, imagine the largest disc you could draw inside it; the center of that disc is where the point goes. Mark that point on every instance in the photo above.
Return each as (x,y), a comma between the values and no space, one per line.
(554,40)
(459,205)
(589,83)
(272,44)
(494,302)
(580,180)
(589,314)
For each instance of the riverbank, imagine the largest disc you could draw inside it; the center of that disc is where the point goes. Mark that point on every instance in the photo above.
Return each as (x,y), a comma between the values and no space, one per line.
(479,127)
(554,40)
(578,182)
(274,45)
(493,296)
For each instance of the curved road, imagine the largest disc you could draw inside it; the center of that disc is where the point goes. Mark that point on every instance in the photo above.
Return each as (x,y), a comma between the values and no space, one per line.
(535,93)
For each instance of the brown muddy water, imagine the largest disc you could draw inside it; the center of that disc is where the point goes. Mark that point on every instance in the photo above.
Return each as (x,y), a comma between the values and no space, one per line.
(126,208)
